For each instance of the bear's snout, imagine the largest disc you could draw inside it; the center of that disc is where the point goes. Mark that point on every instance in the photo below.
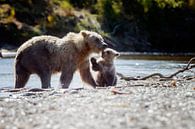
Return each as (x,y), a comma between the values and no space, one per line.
(117,54)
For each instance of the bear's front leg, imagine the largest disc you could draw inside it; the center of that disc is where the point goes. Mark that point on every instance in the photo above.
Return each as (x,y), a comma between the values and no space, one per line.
(66,76)
(85,74)
(95,65)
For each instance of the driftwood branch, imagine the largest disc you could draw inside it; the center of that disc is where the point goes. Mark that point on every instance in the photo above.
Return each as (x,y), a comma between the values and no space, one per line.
(188,67)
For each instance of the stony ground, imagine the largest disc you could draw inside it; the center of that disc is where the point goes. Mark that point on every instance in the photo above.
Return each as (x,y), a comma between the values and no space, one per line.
(151,104)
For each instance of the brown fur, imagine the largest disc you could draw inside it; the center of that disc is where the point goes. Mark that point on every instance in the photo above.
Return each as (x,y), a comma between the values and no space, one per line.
(45,55)
(106,75)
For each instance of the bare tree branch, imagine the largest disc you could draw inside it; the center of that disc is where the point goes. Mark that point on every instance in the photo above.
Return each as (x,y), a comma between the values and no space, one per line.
(188,67)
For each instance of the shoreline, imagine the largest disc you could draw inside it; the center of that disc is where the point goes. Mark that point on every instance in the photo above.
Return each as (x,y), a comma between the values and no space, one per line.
(157,56)
(132,55)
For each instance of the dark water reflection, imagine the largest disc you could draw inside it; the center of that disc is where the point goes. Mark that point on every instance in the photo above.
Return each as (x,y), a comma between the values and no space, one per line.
(127,67)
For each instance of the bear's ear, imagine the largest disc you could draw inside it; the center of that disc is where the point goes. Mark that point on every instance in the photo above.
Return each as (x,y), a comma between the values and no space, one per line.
(84,33)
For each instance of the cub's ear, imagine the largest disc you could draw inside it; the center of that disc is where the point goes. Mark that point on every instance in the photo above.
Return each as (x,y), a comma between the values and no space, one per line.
(84,33)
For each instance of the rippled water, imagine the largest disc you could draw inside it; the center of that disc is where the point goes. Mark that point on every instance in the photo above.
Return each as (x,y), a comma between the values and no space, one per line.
(127,67)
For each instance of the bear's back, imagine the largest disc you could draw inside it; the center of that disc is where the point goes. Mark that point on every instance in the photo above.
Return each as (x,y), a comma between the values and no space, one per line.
(38,42)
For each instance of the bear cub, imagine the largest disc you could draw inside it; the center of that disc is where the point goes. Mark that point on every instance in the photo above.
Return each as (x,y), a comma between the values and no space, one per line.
(104,66)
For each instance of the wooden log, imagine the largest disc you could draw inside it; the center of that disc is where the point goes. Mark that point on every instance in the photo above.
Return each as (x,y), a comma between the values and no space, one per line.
(7,54)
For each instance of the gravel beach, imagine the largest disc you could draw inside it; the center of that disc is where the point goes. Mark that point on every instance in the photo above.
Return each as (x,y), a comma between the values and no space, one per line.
(149,104)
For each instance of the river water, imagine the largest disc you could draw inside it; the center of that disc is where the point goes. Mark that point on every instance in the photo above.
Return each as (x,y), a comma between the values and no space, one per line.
(125,66)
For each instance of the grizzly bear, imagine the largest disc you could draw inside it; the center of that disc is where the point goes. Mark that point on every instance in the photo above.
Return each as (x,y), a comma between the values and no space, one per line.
(106,72)
(45,55)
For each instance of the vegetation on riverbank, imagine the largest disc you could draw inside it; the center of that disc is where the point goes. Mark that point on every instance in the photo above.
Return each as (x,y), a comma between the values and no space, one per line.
(132,25)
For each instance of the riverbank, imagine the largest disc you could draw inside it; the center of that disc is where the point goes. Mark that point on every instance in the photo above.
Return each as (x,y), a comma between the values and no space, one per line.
(148,104)
(130,55)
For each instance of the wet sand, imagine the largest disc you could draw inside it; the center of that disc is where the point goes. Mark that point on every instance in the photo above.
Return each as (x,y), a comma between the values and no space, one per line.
(150,104)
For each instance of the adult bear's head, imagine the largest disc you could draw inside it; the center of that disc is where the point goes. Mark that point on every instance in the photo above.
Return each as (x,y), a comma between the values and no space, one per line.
(94,40)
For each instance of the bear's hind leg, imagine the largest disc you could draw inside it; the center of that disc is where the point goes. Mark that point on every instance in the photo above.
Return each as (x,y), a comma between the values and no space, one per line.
(21,79)
(66,79)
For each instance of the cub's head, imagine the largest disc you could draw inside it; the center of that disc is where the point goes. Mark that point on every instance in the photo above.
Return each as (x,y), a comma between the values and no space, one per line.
(94,40)
(110,54)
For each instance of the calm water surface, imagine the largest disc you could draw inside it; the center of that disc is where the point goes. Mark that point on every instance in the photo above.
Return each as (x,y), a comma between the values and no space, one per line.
(127,67)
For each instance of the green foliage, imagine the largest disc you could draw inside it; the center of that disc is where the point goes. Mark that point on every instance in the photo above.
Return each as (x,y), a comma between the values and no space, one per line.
(88,22)
(170,3)
(146,4)
(109,12)
(191,4)
(64,4)
(160,22)
(161,3)
(83,3)
(7,13)
(111,7)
